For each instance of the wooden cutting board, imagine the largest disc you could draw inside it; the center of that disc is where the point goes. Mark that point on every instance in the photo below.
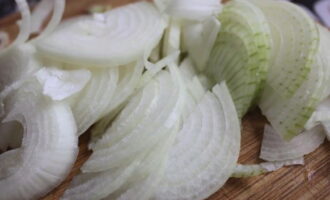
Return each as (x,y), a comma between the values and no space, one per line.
(308,182)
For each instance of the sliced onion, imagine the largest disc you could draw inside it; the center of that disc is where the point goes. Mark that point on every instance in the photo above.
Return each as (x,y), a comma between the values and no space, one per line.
(242,171)
(39,15)
(25,25)
(60,84)
(58,11)
(205,151)
(199,38)
(49,146)
(120,37)
(95,99)
(241,53)
(299,73)
(274,148)
(121,144)
(129,78)
(193,9)
(172,38)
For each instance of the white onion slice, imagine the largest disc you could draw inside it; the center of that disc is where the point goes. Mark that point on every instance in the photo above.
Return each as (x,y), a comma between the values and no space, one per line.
(60,84)
(58,11)
(10,160)
(274,148)
(242,171)
(25,25)
(122,142)
(129,78)
(122,36)
(49,146)
(39,15)
(92,103)
(199,38)
(206,150)
(193,9)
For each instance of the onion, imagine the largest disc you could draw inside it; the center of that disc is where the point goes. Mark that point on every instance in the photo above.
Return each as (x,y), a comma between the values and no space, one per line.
(274,148)
(206,149)
(49,146)
(199,38)
(90,42)
(60,84)
(242,171)
(39,15)
(241,53)
(193,9)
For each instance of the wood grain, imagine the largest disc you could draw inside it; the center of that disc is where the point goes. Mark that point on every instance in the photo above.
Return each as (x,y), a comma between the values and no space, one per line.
(309,182)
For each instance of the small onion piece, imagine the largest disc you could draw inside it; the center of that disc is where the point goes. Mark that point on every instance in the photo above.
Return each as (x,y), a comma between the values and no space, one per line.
(60,84)
(243,171)
(193,9)
(274,148)
(199,38)
(205,151)
(119,37)
(49,146)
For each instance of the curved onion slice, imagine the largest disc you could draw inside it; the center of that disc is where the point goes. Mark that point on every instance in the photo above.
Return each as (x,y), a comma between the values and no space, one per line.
(274,148)
(205,151)
(58,11)
(133,131)
(288,116)
(25,25)
(193,9)
(59,84)
(39,15)
(242,171)
(91,103)
(241,53)
(199,38)
(133,150)
(129,78)
(295,44)
(49,146)
(120,37)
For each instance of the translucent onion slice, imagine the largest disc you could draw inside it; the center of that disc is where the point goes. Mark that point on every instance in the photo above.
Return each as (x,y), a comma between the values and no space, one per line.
(172,38)
(243,171)
(39,15)
(49,146)
(295,44)
(91,103)
(60,84)
(118,146)
(129,79)
(25,24)
(274,148)
(199,38)
(58,11)
(288,116)
(205,151)
(241,53)
(193,9)
(4,40)
(119,37)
